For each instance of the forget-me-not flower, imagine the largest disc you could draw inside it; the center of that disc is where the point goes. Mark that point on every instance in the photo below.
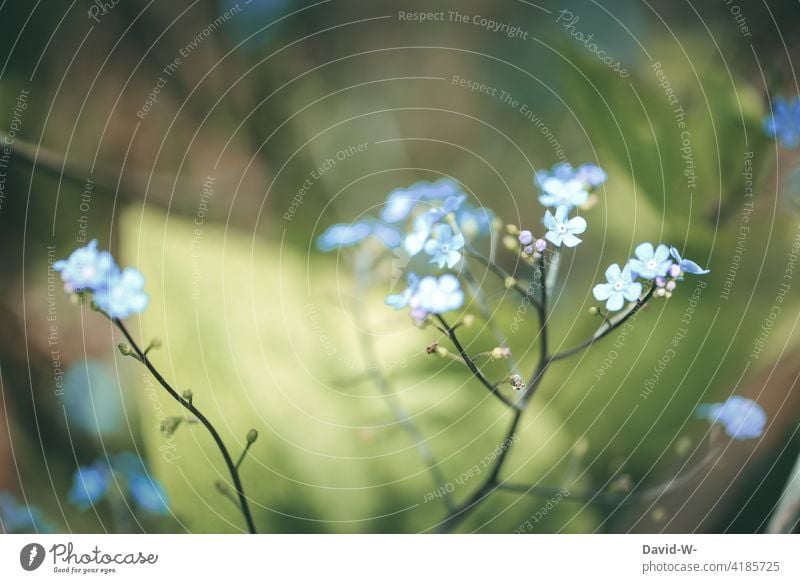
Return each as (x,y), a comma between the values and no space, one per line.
(149,494)
(86,269)
(343,235)
(437,296)
(445,246)
(89,485)
(423,225)
(402,201)
(783,123)
(741,417)
(125,295)
(561,229)
(401,300)
(686,265)
(651,263)
(620,287)
(591,174)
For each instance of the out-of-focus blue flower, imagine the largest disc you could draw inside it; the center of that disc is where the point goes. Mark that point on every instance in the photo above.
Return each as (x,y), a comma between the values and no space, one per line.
(741,417)
(92,398)
(402,201)
(343,235)
(16,518)
(687,265)
(86,269)
(591,174)
(128,464)
(423,225)
(561,229)
(784,122)
(474,222)
(564,185)
(149,494)
(651,263)
(401,300)
(89,485)
(445,246)
(125,296)
(620,287)
(349,234)
(437,296)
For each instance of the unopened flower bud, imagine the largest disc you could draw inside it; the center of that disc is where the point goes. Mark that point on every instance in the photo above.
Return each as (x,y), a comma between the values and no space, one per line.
(525,238)
(188,395)
(660,292)
(540,245)
(671,285)
(468,320)
(674,270)
(594,311)
(441,352)
(512,229)
(125,349)
(252,435)
(528,250)
(661,281)
(509,282)
(501,352)
(510,243)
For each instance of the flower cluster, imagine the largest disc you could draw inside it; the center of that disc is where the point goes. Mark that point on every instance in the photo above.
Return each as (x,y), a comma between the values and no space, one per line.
(783,123)
(118,292)
(424,206)
(564,185)
(660,264)
(741,417)
(92,483)
(429,295)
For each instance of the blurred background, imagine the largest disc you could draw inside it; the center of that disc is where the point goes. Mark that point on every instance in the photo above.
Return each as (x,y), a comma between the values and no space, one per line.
(209,143)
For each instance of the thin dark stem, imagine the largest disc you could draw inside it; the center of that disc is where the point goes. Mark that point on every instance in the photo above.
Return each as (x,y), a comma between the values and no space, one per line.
(244,453)
(491,483)
(609,329)
(186,404)
(451,333)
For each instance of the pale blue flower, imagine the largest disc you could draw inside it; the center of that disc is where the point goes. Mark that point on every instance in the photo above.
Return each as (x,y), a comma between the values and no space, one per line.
(149,494)
(124,296)
(86,269)
(651,263)
(423,225)
(620,287)
(741,417)
(89,485)
(343,235)
(445,246)
(437,296)
(401,300)
(561,229)
(557,192)
(784,122)
(402,201)
(591,174)
(474,222)
(687,265)
(564,185)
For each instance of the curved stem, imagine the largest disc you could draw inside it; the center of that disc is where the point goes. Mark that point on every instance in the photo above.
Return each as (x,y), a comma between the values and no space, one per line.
(609,328)
(451,333)
(186,404)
